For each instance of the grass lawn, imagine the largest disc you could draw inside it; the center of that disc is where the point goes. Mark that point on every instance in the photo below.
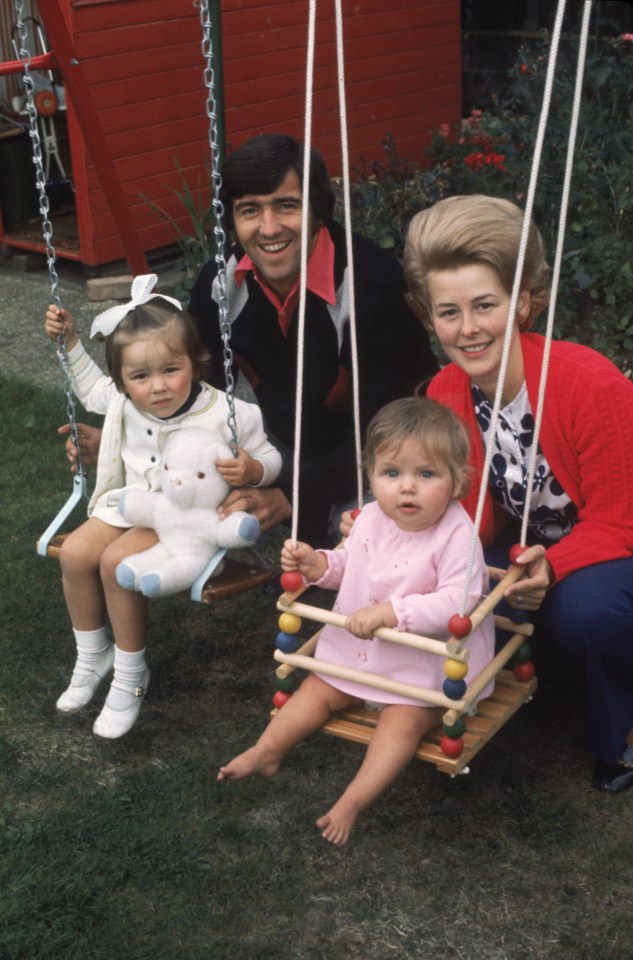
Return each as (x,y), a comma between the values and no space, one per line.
(130,850)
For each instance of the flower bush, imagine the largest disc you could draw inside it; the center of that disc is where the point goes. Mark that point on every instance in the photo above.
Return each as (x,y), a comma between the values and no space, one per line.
(385,195)
(492,153)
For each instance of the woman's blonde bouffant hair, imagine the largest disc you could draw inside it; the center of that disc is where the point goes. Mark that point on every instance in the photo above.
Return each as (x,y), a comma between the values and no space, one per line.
(476,229)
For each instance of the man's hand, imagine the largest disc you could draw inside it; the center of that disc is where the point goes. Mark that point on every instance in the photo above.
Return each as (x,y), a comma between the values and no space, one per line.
(268,504)
(89,441)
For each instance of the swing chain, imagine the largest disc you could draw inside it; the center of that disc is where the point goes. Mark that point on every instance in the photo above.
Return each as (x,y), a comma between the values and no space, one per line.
(47,227)
(29,87)
(218,210)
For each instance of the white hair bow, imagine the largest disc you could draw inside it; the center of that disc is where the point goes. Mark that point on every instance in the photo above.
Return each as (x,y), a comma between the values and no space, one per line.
(107,321)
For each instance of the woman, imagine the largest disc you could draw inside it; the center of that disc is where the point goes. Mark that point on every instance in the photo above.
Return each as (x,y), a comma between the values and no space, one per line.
(459,261)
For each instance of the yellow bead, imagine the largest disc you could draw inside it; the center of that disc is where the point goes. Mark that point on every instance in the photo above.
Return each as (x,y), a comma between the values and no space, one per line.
(455,669)
(289,623)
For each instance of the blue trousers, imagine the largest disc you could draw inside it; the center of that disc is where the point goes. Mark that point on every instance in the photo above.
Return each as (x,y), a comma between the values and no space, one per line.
(587,619)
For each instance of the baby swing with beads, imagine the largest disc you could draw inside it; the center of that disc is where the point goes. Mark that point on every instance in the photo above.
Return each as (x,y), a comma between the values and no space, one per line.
(453,744)
(232,576)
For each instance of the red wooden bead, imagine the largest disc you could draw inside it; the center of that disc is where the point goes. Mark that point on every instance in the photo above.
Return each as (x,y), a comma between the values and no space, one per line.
(524,671)
(459,626)
(450,747)
(291,581)
(354,513)
(515,552)
(280,697)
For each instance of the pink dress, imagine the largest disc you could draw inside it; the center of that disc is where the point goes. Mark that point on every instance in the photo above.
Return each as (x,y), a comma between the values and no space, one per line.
(423,574)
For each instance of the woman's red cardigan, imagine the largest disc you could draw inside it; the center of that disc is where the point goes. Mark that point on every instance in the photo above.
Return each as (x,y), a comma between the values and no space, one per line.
(587,438)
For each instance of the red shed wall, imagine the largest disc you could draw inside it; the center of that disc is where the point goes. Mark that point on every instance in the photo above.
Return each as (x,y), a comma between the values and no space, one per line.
(142,60)
(402,72)
(143,64)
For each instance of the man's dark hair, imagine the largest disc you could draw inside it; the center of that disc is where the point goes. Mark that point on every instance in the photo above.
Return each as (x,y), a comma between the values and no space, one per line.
(259,167)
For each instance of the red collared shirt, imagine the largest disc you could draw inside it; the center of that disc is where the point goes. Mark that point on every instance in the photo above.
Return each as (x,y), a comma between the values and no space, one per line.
(320,279)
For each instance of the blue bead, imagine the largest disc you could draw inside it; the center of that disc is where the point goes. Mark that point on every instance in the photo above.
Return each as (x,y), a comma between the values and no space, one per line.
(287,642)
(454,689)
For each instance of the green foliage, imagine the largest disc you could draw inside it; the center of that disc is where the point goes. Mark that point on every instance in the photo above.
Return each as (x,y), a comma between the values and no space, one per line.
(492,153)
(384,195)
(197,245)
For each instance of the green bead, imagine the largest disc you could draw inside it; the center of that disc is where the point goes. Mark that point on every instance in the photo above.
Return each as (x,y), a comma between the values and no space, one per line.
(456,730)
(524,653)
(286,683)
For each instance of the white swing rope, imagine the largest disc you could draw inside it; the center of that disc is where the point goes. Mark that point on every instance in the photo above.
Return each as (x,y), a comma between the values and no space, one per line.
(304,657)
(516,288)
(305,193)
(348,293)
(560,240)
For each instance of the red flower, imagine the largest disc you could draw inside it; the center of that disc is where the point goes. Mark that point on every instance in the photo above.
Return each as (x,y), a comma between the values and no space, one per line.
(477,161)
(496,160)
(474,161)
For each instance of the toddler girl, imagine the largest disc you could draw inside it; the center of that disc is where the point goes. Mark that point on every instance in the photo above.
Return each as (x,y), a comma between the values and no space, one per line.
(403,566)
(155,359)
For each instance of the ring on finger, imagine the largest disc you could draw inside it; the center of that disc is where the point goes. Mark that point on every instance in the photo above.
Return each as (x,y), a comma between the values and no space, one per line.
(520,599)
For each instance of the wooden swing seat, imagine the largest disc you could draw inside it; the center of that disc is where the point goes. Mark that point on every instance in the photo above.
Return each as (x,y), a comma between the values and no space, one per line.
(358,724)
(235,577)
(483,717)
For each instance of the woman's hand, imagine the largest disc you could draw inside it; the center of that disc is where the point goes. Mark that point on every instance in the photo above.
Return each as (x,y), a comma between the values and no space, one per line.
(529,593)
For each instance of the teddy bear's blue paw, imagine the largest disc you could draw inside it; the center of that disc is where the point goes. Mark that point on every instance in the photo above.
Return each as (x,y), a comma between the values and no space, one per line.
(248,529)
(150,585)
(125,576)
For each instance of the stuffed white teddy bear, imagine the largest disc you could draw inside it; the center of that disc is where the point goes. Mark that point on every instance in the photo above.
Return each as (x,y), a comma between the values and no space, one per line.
(184,516)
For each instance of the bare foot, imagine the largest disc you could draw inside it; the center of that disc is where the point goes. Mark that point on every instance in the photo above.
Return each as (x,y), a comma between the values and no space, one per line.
(253,762)
(337,825)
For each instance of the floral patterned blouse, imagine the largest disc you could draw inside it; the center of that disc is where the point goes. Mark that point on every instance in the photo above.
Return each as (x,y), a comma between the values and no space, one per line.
(552,513)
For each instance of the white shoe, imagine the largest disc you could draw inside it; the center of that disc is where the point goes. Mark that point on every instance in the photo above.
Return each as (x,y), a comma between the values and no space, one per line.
(84,683)
(112,723)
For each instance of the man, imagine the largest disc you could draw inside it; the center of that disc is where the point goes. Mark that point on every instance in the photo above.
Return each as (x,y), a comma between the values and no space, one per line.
(263,206)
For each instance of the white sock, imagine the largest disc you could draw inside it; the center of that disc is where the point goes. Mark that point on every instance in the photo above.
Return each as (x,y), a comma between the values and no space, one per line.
(129,673)
(92,650)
